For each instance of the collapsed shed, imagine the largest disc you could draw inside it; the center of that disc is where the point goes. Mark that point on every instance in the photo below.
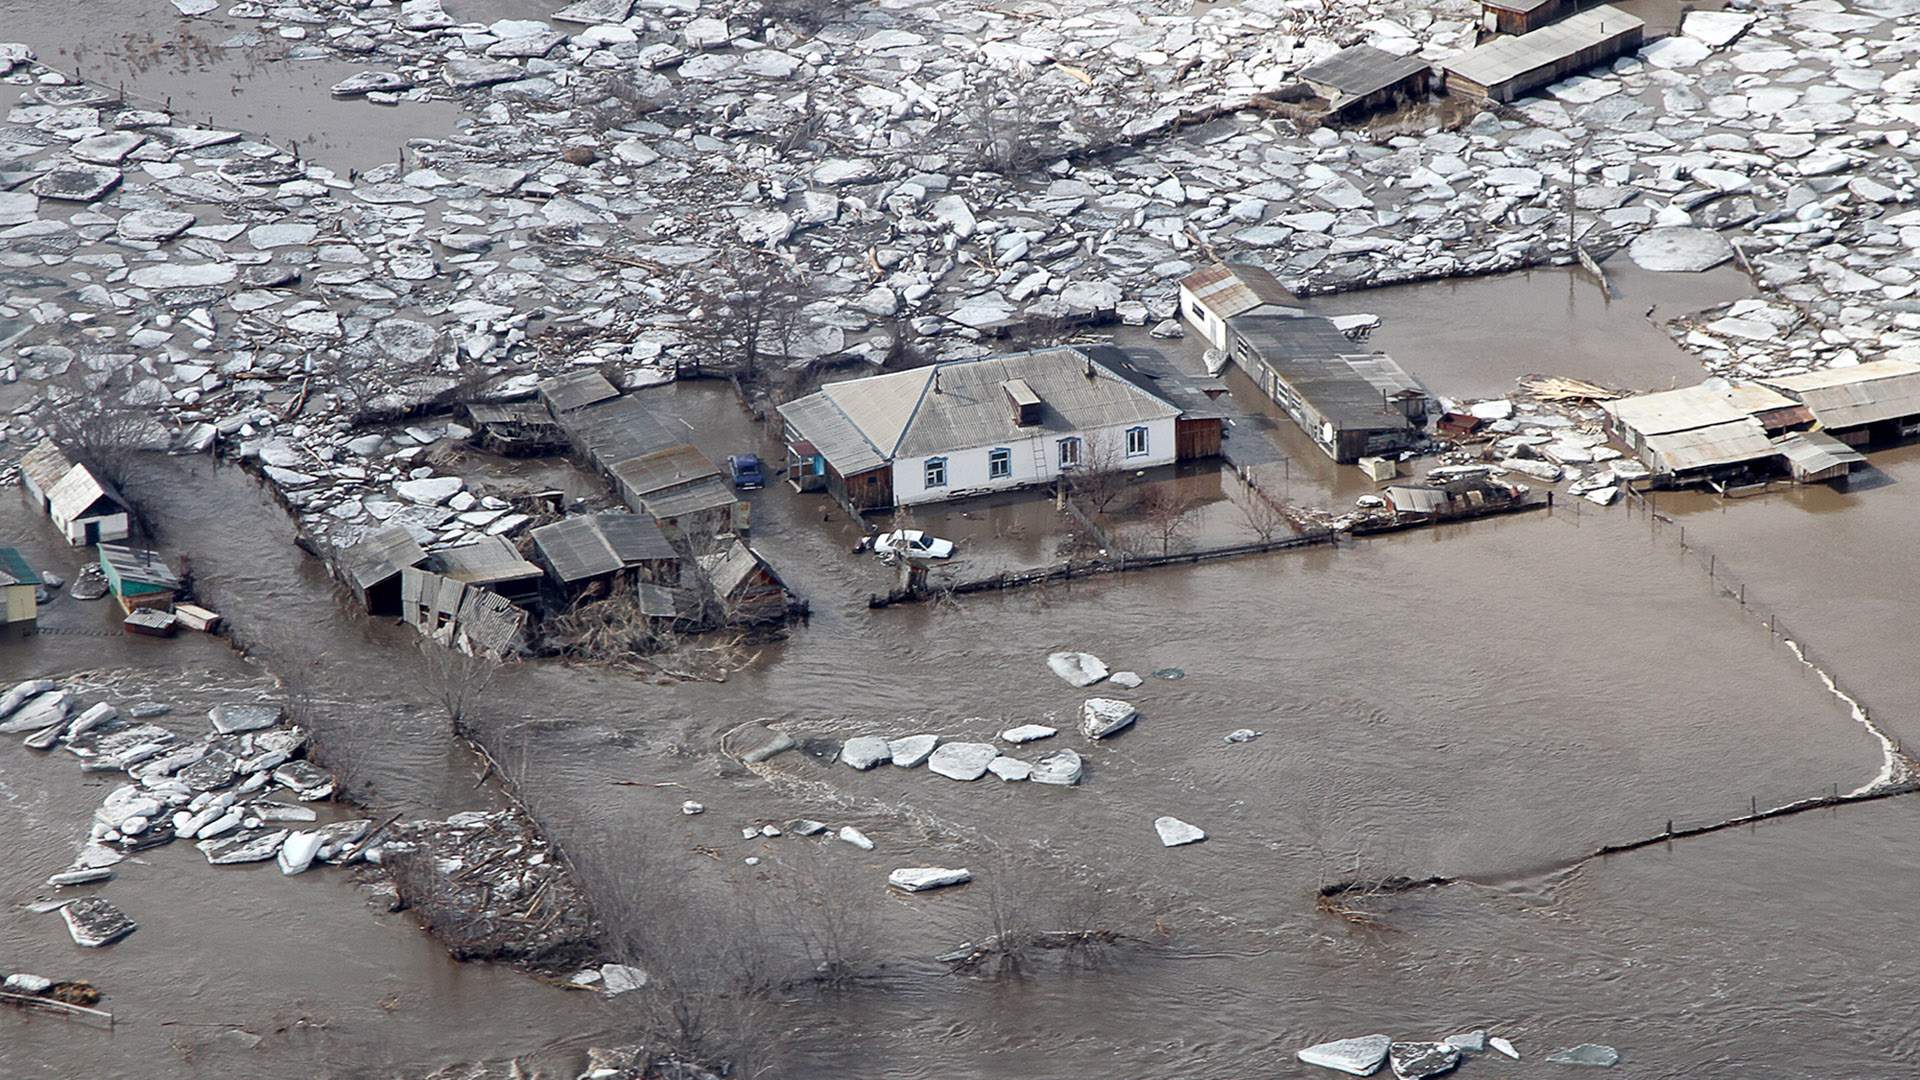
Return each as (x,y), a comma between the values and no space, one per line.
(593,548)
(372,567)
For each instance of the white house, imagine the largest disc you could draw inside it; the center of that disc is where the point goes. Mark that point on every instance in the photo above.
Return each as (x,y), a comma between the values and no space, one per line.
(85,509)
(1213,294)
(975,426)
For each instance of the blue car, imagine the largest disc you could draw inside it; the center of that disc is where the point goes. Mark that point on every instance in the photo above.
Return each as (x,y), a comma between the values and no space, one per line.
(746,472)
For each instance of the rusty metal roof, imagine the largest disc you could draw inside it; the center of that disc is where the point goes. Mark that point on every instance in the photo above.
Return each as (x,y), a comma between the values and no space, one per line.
(1229,289)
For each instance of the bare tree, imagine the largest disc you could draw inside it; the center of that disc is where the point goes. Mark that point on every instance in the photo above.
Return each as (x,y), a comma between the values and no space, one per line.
(94,427)
(1100,478)
(1167,516)
(804,17)
(457,681)
(750,313)
(1264,518)
(607,624)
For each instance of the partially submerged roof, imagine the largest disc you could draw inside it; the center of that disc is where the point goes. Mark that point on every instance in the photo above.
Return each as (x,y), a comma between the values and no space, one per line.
(1229,289)
(590,545)
(138,566)
(706,493)
(14,568)
(575,390)
(1343,382)
(1863,394)
(1360,70)
(508,412)
(729,569)
(1817,451)
(1413,499)
(381,556)
(486,562)
(1503,59)
(1688,407)
(1731,443)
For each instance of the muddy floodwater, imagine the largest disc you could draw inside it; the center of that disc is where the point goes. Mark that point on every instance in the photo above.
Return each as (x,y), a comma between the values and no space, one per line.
(1474,336)
(1488,702)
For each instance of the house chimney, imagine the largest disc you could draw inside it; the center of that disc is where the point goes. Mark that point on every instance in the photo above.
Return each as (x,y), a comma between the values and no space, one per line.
(936,380)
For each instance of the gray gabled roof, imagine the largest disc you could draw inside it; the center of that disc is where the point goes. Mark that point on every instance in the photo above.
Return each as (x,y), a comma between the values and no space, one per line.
(1361,70)
(1862,394)
(382,555)
(862,424)
(487,561)
(575,390)
(590,545)
(1508,58)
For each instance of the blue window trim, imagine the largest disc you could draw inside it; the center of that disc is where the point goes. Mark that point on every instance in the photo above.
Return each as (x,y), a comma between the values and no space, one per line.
(1000,463)
(927,474)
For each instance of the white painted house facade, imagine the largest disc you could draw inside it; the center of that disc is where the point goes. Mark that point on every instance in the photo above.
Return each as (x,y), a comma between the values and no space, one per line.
(85,510)
(973,427)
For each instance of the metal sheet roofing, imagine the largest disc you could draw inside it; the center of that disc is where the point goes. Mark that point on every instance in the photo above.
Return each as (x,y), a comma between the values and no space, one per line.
(45,465)
(484,562)
(1730,443)
(76,494)
(1817,451)
(1504,59)
(138,567)
(706,493)
(1229,289)
(662,469)
(1360,70)
(832,434)
(382,555)
(1691,407)
(590,545)
(616,429)
(575,390)
(1343,382)
(1863,394)
(1409,499)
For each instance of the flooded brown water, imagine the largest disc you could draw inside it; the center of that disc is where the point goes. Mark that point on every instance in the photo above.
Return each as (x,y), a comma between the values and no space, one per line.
(1486,701)
(197,69)
(1472,337)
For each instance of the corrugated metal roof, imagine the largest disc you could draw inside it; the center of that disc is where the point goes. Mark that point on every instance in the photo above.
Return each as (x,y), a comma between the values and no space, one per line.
(1408,499)
(1730,443)
(588,546)
(1816,451)
(484,562)
(575,390)
(706,493)
(139,567)
(1684,409)
(1340,380)
(1503,59)
(819,422)
(382,555)
(1360,70)
(490,622)
(1195,394)
(617,429)
(1863,394)
(1520,7)
(77,492)
(1233,289)
(662,469)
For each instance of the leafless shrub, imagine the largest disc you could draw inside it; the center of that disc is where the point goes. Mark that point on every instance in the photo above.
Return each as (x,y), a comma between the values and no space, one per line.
(607,624)
(828,911)
(1027,915)
(1262,517)
(807,17)
(1167,516)
(457,682)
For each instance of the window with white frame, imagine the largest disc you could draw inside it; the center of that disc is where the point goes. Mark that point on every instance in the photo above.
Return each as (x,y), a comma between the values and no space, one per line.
(999,464)
(1069,452)
(1136,442)
(936,472)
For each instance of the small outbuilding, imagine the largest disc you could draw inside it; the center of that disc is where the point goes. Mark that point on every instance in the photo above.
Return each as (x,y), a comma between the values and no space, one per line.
(373,566)
(1520,16)
(1815,457)
(84,508)
(581,551)
(490,563)
(745,588)
(575,390)
(1362,79)
(19,594)
(682,490)
(515,428)
(138,578)
(1873,402)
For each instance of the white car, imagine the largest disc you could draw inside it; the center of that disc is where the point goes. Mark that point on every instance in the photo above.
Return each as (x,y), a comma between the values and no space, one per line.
(912,543)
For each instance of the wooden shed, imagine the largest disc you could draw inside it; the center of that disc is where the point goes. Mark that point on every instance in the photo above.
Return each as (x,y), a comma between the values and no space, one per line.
(1520,16)
(1362,79)
(138,578)
(592,548)
(83,507)
(373,566)
(19,594)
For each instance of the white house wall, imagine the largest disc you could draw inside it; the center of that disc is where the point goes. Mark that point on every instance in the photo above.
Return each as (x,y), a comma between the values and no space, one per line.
(1211,326)
(967,469)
